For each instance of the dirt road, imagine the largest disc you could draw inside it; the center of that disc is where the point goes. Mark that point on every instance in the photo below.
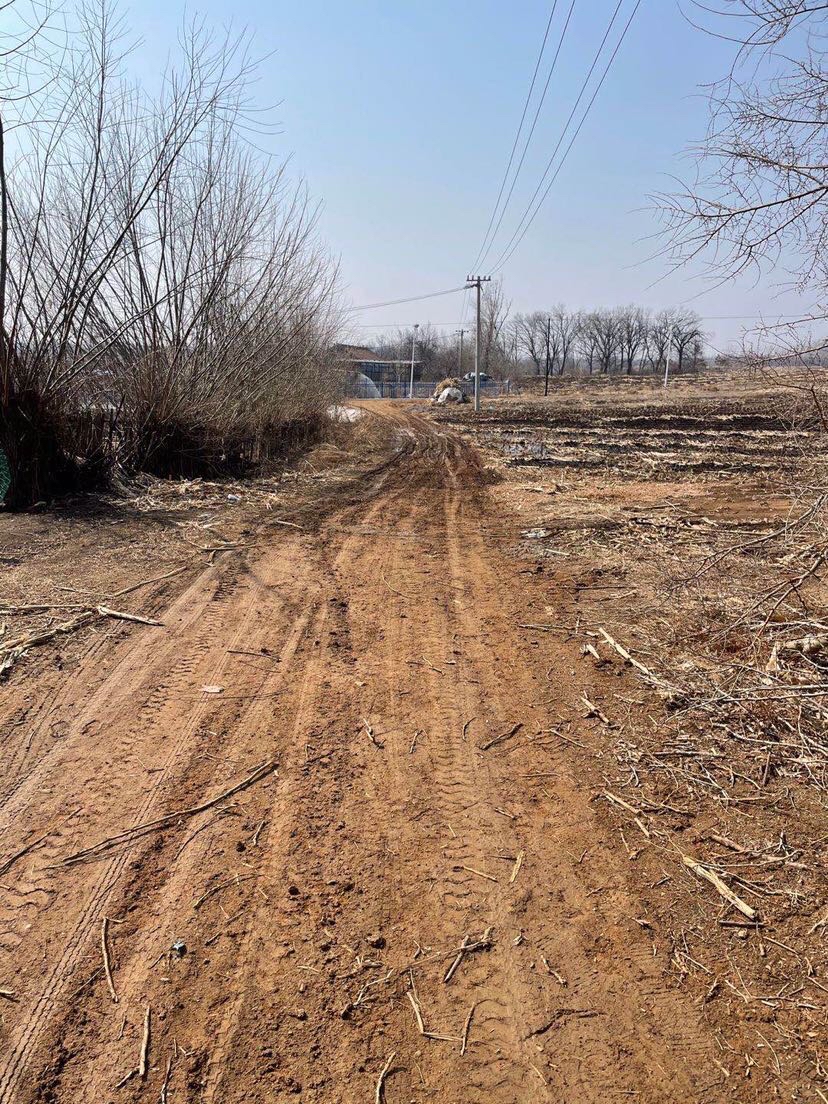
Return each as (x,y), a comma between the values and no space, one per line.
(320,907)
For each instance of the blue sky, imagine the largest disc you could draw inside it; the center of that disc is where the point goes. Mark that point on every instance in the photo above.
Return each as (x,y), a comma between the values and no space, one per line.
(401,117)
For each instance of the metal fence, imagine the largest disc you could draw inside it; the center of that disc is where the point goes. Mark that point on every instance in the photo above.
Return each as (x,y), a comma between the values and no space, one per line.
(423,389)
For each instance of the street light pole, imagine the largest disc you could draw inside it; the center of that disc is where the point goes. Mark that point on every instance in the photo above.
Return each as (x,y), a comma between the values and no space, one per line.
(413,351)
(460,357)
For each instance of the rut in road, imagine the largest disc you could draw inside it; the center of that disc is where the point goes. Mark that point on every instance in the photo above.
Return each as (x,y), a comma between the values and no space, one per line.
(339,889)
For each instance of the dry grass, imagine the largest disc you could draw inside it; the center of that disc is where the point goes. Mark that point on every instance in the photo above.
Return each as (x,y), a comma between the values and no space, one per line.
(692,528)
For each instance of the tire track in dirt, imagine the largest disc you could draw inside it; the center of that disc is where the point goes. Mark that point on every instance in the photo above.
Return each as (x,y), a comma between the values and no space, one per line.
(200,612)
(373,857)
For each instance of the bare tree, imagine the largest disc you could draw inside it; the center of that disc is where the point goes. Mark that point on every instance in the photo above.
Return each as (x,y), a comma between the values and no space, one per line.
(762,185)
(530,332)
(494,314)
(687,337)
(588,341)
(159,273)
(605,328)
(566,327)
(634,325)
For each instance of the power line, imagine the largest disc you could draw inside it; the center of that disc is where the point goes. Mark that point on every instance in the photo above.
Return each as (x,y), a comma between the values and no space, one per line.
(399,325)
(528,137)
(411,299)
(519,129)
(519,233)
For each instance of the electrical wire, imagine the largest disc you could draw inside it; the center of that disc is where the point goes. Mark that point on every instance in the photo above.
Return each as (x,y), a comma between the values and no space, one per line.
(521,231)
(411,299)
(517,135)
(528,138)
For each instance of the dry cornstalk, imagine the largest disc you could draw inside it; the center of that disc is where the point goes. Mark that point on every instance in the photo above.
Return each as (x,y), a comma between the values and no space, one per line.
(145,1042)
(721,887)
(120,615)
(622,651)
(12,650)
(516,868)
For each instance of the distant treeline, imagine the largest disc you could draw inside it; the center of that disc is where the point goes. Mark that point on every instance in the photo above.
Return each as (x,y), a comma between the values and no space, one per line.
(560,341)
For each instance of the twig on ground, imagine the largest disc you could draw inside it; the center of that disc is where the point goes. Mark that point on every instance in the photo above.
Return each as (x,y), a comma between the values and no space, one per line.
(468,946)
(466,1026)
(379,1092)
(147,582)
(106,963)
(165,1085)
(370,733)
(237,880)
(8,863)
(162,822)
(145,1042)
(503,736)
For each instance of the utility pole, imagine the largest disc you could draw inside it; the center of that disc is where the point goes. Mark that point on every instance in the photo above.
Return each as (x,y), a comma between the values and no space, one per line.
(413,351)
(477,282)
(460,333)
(548,336)
(669,351)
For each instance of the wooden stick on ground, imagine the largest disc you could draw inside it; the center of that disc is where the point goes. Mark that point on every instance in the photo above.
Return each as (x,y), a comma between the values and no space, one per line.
(465,1039)
(379,1094)
(370,732)
(162,822)
(503,736)
(106,962)
(146,582)
(145,1042)
(221,885)
(480,873)
(163,1099)
(516,868)
(713,878)
(467,947)
(8,863)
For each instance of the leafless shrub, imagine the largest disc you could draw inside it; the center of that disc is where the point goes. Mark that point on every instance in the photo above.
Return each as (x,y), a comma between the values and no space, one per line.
(163,282)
